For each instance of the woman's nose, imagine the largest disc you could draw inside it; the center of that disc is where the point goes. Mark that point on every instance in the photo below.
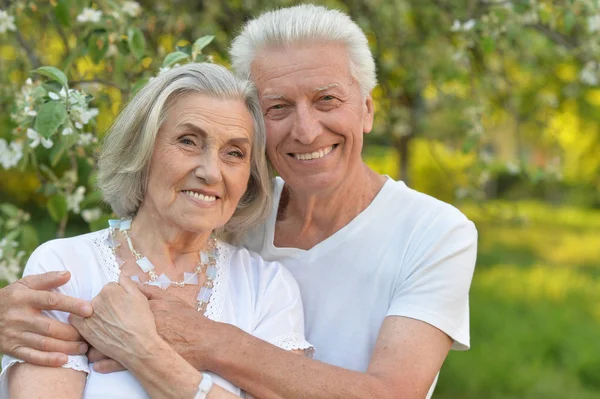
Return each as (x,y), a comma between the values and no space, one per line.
(209,168)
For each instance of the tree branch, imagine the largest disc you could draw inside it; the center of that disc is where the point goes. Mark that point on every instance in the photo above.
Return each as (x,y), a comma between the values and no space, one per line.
(35,61)
(99,81)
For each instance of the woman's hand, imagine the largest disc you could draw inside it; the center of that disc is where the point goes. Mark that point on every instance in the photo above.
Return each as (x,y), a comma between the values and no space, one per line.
(122,326)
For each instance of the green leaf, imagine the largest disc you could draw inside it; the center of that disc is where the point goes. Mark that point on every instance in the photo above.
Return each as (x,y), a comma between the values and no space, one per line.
(54,74)
(29,238)
(136,41)
(123,47)
(50,117)
(62,12)
(201,43)
(92,199)
(488,44)
(570,19)
(52,85)
(56,153)
(469,144)
(173,58)
(97,47)
(9,210)
(57,207)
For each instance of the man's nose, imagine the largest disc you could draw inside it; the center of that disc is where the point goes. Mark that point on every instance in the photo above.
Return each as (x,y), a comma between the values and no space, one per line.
(306,125)
(209,167)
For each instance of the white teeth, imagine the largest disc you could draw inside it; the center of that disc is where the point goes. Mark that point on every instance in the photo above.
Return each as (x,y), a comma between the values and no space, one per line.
(201,197)
(313,155)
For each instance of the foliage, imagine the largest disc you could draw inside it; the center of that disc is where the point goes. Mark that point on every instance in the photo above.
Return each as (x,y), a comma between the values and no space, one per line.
(534,312)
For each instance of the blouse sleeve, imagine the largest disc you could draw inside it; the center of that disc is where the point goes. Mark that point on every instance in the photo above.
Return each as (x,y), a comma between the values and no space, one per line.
(279,313)
(44,259)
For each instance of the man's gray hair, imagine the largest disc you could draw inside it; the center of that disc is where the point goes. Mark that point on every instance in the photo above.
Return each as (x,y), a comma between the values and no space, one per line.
(304,24)
(125,158)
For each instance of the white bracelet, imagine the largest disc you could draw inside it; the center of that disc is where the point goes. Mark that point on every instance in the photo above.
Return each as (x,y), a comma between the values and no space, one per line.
(206,384)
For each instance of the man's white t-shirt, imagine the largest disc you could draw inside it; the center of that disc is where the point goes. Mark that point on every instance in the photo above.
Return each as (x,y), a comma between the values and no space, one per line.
(407,254)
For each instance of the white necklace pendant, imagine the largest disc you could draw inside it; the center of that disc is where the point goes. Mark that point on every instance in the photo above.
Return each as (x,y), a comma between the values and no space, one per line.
(145,264)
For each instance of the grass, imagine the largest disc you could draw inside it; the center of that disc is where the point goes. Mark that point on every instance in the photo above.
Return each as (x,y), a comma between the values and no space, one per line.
(535,307)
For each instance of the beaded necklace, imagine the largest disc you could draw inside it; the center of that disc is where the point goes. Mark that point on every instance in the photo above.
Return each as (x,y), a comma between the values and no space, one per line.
(207,265)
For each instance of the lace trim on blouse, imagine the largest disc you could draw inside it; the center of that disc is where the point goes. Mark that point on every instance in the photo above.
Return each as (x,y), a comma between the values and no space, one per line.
(78,363)
(293,341)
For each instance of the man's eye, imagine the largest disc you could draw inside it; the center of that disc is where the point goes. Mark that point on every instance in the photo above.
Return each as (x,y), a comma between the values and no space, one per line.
(278,106)
(328,98)
(186,141)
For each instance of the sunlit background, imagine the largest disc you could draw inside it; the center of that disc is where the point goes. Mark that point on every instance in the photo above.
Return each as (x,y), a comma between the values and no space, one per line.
(493,106)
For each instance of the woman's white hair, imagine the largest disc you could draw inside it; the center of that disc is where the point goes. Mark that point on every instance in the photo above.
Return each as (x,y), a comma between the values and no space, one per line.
(125,158)
(304,24)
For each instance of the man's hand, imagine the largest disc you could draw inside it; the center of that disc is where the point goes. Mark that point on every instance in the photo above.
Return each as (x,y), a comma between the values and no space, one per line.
(182,326)
(26,333)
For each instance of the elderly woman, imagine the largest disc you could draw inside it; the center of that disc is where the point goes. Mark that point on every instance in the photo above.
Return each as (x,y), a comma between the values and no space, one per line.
(182,165)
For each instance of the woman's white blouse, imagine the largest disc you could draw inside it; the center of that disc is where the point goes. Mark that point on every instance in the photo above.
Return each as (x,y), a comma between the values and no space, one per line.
(259,297)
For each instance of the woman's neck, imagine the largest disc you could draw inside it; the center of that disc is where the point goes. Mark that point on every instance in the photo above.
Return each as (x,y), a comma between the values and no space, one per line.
(164,242)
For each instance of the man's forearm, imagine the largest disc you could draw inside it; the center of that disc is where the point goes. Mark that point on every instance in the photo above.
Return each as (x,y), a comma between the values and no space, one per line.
(266,371)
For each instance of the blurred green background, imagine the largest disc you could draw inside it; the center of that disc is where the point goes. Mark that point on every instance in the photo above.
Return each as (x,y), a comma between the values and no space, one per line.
(490,105)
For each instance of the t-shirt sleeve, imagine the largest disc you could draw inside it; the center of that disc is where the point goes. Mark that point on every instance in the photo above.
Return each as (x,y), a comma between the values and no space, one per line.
(47,258)
(434,282)
(279,314)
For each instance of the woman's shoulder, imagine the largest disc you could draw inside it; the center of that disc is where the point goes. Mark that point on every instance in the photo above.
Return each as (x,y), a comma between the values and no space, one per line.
(63,253)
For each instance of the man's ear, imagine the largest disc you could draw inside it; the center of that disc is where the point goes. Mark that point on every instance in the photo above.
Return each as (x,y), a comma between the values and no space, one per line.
(369,113)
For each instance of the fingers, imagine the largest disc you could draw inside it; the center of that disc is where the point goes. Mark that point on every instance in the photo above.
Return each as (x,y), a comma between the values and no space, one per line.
(46,344)
(46,281)
(106,366)
(151,292)
(128,285)
(94,355)
(54,301)
(39,358)
(51,328)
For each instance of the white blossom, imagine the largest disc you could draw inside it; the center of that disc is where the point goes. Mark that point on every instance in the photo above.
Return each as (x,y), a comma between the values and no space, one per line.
(36,139)
(7,22)
(132,8)
(91,215)
(74,199)
(512,168)
(53,96)
(67,131)
(10,155)
(89,15)
(589,74)
(86,139)
(594,23)
(457,26)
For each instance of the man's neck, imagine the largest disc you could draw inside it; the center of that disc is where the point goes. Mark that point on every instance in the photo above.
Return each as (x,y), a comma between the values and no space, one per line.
(304,220)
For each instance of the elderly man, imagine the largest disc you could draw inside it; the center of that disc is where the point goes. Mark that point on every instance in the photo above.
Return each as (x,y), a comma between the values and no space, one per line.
(384,271)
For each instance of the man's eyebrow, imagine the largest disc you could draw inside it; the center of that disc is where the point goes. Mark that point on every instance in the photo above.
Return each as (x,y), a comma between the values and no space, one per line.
(326,87)
(273,96)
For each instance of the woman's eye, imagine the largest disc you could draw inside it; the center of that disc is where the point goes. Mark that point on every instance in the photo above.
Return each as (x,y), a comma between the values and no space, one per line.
(236,153)
(186,141)
(278,106)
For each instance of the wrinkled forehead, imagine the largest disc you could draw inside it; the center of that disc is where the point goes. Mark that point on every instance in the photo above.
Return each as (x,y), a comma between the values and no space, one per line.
(311,66)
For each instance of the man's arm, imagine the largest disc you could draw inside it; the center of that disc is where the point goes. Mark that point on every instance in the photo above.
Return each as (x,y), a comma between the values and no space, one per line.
(408,355)
(28,335)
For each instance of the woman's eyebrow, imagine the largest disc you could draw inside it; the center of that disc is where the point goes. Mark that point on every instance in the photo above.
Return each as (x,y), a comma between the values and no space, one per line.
(192,128)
